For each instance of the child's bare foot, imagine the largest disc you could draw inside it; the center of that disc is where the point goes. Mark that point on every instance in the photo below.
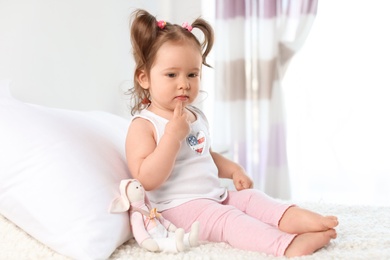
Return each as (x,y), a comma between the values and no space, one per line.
(297,221)
(308,243)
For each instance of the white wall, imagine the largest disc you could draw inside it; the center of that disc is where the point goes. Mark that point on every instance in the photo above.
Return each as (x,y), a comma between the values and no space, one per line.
(75,53)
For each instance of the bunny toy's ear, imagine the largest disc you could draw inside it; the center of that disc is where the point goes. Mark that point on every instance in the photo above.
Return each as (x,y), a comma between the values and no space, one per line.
(118,206)
(122,203)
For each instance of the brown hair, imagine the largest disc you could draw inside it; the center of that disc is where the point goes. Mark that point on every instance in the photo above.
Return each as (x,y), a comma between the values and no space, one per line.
(146,39)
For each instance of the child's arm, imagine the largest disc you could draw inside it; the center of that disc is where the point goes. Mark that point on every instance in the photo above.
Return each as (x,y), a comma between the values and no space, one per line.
(152,164)
(231,170)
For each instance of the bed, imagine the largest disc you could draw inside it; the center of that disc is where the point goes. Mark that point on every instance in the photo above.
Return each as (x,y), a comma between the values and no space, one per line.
(364,233)
(60,169)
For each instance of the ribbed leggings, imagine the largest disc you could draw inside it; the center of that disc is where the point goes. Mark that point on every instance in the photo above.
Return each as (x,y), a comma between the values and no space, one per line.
(247,219)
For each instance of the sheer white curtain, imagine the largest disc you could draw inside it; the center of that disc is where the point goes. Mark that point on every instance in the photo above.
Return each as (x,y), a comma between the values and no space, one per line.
(255,41)
(338,106)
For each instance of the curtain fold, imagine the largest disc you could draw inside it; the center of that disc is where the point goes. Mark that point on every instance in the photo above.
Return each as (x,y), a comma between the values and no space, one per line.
(255,40)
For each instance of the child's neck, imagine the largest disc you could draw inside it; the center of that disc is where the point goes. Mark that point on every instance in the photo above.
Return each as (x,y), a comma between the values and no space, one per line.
(167,114)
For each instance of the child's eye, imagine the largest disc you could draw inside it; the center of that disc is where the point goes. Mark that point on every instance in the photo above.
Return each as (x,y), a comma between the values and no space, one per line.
(171,75)
(193,75)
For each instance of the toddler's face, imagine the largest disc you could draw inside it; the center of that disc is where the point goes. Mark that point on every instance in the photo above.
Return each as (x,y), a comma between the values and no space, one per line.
(174,76)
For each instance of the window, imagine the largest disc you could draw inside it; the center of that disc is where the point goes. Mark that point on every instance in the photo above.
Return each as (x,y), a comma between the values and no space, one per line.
(337,92)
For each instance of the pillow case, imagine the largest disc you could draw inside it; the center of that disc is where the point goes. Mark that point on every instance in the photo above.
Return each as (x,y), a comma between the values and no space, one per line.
(59,172)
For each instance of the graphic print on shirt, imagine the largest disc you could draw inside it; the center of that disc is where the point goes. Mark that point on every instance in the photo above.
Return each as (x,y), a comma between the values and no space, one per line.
(197,142)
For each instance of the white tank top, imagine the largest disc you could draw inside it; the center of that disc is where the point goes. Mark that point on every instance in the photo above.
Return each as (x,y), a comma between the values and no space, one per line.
(194,174)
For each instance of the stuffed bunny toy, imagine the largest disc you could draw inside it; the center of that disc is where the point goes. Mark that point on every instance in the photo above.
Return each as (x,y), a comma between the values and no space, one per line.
(150,229)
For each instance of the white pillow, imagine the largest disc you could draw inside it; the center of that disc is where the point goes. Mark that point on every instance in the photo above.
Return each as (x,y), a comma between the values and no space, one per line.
(59,172)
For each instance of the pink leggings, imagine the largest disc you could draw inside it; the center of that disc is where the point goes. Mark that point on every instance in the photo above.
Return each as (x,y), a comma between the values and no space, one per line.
(247,219)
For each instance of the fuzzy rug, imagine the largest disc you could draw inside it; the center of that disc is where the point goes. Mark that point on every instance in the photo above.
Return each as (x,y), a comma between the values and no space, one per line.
(363,233)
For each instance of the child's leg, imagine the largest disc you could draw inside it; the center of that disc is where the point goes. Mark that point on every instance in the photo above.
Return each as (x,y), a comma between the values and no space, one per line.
(224,223)
(258,205)
(308,243)
(289,218)
(298,220)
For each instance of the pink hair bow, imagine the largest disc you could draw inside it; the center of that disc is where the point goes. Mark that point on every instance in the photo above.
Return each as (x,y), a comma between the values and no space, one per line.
(187,26)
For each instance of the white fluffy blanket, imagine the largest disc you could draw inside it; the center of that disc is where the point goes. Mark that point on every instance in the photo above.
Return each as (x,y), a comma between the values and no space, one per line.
(363,233)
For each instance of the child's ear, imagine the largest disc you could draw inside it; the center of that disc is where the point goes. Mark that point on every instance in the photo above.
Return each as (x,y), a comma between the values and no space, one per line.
(143,79)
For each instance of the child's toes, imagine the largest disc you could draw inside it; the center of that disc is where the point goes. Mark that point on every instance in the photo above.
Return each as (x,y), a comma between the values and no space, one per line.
(331,221)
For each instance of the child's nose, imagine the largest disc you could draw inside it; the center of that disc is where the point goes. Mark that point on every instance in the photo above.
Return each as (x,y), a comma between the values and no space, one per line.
(184,84)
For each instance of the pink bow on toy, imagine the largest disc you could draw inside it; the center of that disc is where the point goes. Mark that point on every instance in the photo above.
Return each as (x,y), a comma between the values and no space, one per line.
(154,214)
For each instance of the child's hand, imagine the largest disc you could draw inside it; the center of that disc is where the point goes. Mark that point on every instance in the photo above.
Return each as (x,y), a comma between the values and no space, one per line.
(242,181)
(178,126)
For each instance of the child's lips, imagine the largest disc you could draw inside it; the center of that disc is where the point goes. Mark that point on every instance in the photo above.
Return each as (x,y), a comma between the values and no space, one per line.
(182,98)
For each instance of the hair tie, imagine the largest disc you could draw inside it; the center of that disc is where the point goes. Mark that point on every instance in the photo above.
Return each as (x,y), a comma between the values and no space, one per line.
(146,101)
(187,26)
(161,24)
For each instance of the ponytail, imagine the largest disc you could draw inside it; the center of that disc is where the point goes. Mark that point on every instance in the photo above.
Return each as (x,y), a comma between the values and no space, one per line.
(208,41)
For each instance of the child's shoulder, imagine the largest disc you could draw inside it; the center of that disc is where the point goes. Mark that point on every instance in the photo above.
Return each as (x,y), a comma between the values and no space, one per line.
(140,123)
